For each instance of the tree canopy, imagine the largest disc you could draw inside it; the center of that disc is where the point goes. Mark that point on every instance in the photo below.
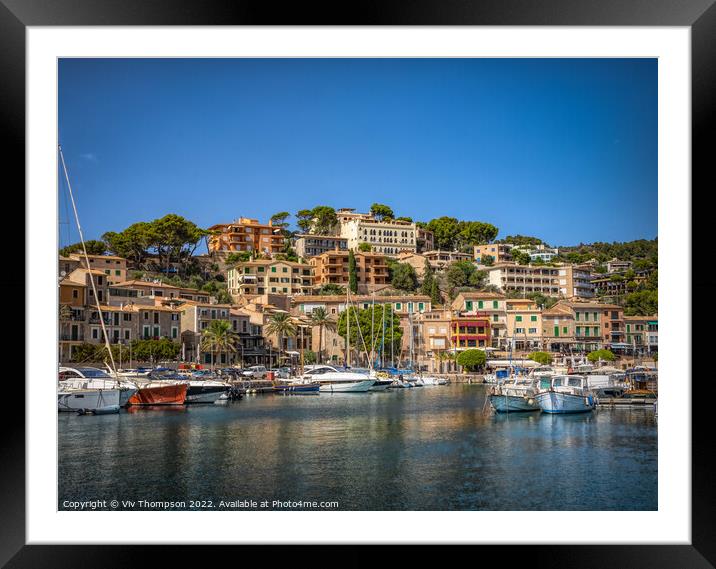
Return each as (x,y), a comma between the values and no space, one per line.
(93,246)
(544,358)
(371,319)
(472,360)
(451,234)
(404,277)
(381,211)
(604,355)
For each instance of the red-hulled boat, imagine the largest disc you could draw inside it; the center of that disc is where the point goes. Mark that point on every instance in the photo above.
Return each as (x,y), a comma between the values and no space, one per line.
(167,394)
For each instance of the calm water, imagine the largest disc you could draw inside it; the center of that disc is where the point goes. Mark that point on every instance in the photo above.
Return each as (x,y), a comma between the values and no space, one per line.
(428,448)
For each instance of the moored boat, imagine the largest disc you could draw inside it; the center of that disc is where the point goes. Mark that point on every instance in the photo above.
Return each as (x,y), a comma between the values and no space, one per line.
(160,393)
(567,394)
(332,380)
(515,395)
(96,401)
(90,378)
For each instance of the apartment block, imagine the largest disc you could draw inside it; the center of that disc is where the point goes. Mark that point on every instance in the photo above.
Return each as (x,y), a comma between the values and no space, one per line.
(642,333)
(524,278)
(311,245)
(500,252)
(575,281)
(332,268)
(524,323)
(246,234)
(425,240)
(266,276)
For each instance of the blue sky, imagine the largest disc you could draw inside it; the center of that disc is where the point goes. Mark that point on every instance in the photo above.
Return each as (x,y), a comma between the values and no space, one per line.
(564,149)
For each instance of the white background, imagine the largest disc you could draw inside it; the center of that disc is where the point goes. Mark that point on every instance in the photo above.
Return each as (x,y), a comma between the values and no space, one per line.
(671,524)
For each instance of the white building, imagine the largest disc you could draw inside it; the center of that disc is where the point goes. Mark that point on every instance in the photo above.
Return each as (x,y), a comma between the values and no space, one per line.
(386,237)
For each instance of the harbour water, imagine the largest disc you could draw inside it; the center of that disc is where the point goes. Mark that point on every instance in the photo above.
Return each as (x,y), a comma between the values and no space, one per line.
(430,448)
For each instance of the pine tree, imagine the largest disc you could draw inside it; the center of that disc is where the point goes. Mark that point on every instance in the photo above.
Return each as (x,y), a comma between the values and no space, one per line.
(428,279)
(435,296)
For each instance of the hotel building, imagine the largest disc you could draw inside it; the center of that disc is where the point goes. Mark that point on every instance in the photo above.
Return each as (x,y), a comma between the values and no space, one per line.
(246,234)
(265,276)
(332,268)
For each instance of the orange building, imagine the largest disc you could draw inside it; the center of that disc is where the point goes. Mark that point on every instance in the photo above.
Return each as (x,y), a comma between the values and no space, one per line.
(246,234)
(332,268)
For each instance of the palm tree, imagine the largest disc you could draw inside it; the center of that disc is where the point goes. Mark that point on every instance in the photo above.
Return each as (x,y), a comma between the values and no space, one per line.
(321,318)
(219,337)
(281,324)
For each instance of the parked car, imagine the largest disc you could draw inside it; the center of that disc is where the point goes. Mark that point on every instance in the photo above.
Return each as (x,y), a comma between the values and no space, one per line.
(283,372)
(255,372)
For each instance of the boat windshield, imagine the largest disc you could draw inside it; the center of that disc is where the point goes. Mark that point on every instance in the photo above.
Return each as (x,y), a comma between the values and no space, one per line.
(574,382)
(93,372)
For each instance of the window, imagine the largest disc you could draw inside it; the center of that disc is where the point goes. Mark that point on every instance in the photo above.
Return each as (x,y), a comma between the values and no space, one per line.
(261,269)
(95,333)
(586,316)
(495,318)
(398,306)
(518,318)
(126,334)
(480,303)
(117,273)
(532,330)
(564,330)
(468,305)
(127,317)
(145,331)
(495,304)
(146,315)
(156,317)
(273,269)
(175,332)
(533,318)
(75,293)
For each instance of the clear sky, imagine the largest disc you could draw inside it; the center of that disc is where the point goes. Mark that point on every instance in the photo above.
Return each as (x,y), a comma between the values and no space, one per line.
(563,149)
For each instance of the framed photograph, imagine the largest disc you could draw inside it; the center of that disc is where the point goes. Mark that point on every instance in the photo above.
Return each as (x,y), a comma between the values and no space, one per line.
(385,281)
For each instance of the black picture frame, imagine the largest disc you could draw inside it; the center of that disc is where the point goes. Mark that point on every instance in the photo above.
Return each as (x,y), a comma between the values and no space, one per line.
(699,15)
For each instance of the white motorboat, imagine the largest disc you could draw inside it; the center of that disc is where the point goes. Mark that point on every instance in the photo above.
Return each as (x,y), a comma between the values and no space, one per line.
(567,394)
(381,384)
(334,381)
(205,391)
(96,401)
(517,394)
(90,378)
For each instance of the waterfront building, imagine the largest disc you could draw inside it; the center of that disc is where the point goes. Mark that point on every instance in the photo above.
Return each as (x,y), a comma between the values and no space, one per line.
(436,341)
(524,278)
(558,333)
(332,268)
(642,333)
(264,276)
(524,323)
(115,268)
(490,305)
(246,234)
(575,281)
(307,245)
(387,237)
(500,253)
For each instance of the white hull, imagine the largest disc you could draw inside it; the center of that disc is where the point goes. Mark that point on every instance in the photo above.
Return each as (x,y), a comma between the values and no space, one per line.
(513,403)
(381,385)
(208,397)
(89,400)
(555,402)
(347,387)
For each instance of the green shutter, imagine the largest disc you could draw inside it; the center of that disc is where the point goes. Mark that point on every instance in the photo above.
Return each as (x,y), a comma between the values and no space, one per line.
(479,304)
(533,318)
(468,305)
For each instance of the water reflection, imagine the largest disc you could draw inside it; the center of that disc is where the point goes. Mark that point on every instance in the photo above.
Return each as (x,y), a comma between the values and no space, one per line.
(425,448)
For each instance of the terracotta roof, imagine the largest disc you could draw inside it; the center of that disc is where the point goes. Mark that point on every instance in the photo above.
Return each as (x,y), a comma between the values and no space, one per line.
(359,298)
(485,294)
(81,256)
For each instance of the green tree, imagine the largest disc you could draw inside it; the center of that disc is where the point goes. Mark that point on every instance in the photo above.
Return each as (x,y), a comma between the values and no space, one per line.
(365,247)
(371,321)
(321,319)
(604,355)
(404,277)
(520,257)
(428,278)
(522,240)
(381,212)
(218,337)
(325,219)
(404,218)
(93,246)
(435,295)
(331,289)
(352,272)
(282,325)
(150,349)
(544,358)
(464,274)
(175,238)
(279,219)
(238,257)
(641,303)
(487,260)
(472,360)
(309,357)
(475,233)
(304,220)
(445,230)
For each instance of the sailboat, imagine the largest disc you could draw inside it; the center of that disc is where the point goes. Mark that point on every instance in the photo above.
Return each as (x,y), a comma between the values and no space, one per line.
(128,392)
(81,394)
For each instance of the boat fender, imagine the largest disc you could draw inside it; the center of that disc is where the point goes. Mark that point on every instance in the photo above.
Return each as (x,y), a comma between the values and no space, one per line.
(530,401)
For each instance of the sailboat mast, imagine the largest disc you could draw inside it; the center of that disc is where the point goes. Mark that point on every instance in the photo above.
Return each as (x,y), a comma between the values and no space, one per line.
(348,329)
(89,269)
